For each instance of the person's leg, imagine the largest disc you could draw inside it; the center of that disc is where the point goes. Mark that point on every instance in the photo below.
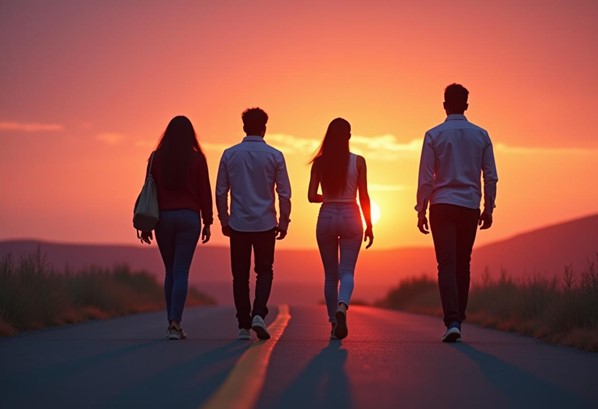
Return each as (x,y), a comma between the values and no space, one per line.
(263,250)
(240,261)
(327,239)
(351,233)
(467,226)
(165,238)
(444,234)
(188,231)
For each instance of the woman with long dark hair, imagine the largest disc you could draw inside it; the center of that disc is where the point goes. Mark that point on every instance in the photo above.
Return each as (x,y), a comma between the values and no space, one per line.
(180,171)
(342,175)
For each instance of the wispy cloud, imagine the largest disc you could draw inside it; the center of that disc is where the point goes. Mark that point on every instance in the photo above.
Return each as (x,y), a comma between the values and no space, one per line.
(540,150)
(292,144)
(379,147)
(383,147)
(29,127)
(387,143)
(110,138)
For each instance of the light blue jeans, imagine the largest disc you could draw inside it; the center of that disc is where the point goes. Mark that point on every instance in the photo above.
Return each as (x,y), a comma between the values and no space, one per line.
(339,227)
(177,235)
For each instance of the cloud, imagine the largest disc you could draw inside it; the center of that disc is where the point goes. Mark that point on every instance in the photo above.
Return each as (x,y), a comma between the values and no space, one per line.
(29,127)
(379,147)
(110,138)
(540,150)
(387,143)
(292,144)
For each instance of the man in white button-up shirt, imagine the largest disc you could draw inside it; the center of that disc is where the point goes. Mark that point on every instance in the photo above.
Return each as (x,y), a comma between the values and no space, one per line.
(454,156)
(252,171)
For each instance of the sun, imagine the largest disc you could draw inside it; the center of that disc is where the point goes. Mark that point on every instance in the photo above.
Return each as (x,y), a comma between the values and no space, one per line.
(375,212)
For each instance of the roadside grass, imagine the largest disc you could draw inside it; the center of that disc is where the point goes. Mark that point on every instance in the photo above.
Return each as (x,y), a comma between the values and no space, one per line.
(561,310)
(33,295)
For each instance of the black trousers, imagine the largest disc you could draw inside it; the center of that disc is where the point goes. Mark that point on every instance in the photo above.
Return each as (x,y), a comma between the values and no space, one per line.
(453,230)
(241,246)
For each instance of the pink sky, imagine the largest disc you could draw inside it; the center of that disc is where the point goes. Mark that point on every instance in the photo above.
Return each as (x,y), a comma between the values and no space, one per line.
(88,88)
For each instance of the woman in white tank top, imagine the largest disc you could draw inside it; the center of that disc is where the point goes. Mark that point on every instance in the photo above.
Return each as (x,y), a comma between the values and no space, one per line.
(342,176)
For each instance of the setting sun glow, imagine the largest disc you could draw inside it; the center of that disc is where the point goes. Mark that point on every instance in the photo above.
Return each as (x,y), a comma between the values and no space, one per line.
(367,62)
(375,212)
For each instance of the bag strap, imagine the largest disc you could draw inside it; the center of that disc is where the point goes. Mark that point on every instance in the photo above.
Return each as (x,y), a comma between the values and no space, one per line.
(149,166)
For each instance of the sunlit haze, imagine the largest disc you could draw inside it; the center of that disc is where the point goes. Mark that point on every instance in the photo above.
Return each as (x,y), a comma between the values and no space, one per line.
(88,88)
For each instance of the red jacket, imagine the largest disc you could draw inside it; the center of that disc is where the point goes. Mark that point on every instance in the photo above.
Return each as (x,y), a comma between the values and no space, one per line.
(195,195)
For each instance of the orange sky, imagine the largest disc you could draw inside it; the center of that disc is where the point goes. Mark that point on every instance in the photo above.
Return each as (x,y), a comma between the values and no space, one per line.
(88,88)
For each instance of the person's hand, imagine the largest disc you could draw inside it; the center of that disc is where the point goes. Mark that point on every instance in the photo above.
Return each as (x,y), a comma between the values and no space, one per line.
(485,220)
(206,234)
(422,224)
(146,237)
(279,233)
(226,230)
(368,236)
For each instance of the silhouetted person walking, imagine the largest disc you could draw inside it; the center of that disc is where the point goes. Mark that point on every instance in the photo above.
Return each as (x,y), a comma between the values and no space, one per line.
(342,175)
(180,171)
(252,171)
(454,156)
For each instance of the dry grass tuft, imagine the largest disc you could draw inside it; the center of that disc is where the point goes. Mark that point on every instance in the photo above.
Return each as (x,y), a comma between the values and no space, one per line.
(33,295)
(559,310)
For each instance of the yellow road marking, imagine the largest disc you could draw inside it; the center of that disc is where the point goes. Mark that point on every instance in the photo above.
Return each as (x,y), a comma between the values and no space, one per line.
(242,387)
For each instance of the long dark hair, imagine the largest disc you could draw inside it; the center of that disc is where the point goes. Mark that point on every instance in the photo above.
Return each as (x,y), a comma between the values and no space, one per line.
(332,158)
(175,151)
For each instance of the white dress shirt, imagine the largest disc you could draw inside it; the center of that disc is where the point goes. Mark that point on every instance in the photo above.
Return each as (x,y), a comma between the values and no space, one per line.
(251,171)
(454,156)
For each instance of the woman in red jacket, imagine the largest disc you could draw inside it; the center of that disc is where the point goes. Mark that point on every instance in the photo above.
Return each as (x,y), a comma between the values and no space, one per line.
(180,171)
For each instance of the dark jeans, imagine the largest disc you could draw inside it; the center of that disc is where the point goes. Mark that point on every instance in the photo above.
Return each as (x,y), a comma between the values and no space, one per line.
(241,244)
(453,230)
(177,234)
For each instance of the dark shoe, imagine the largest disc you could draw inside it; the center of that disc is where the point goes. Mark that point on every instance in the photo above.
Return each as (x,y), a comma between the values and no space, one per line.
(341,331)
(259,326)
(332,336)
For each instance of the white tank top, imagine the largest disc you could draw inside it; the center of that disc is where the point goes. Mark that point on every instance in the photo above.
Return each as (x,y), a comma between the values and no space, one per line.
(349,193)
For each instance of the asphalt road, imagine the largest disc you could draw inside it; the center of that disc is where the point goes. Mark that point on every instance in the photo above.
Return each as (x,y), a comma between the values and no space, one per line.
(389,360)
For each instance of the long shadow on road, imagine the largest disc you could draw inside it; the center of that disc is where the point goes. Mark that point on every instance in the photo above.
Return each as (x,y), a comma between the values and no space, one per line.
(184,385)
(322,384)
(521,388)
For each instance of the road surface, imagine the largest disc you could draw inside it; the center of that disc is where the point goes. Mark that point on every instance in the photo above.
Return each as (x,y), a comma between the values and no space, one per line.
(390,360)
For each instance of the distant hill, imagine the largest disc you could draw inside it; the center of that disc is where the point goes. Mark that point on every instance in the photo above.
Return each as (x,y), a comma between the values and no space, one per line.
(546,251)
(299,275)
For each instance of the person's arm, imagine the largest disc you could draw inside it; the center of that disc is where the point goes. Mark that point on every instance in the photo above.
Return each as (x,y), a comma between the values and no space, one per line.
(222,189)
(314,181)
(364,200)
(283,190)
(490,177)
(425,183)
(205,198)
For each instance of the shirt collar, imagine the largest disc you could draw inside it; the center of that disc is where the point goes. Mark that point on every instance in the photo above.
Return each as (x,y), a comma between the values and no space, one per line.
(253,138)
(455,117)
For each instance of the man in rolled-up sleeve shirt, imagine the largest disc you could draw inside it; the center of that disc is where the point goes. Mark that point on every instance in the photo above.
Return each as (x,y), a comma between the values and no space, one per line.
(252,171)
(456,156)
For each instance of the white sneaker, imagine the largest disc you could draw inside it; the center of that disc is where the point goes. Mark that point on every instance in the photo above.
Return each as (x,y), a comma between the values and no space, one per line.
(452,334)
(176,334)
(259,326)
(244,334)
